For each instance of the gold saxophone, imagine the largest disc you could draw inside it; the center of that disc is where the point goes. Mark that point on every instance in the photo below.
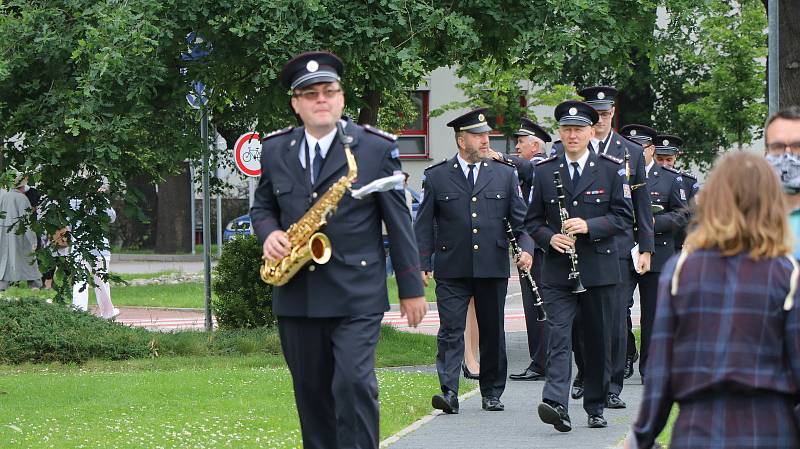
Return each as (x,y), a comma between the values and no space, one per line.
(307,243)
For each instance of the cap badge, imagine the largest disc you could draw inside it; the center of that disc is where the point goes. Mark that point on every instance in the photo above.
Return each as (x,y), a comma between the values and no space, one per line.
(665,142)
(573,111)
(601,95)
(633,132)
(481,118)
(312,66)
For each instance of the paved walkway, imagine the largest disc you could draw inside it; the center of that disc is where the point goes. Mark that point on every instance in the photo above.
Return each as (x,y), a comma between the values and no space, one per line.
(519,427)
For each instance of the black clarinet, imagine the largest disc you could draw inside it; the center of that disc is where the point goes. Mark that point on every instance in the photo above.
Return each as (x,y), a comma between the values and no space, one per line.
(526,274)
(574,275)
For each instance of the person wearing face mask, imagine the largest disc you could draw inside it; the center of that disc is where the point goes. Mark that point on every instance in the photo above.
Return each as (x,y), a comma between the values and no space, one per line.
(782,136)
(467,199)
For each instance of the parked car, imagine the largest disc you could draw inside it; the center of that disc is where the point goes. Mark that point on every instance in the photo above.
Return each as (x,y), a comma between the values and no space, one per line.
(237,226)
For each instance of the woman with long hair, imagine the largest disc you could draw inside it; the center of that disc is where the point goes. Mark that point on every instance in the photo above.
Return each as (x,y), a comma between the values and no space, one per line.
(726,337)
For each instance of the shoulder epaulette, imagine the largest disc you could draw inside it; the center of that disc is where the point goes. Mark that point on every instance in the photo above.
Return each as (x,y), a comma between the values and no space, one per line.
(435,165)
(379,132)
(277,133)
(671,170)
(689,175)
(551,158)
(504,162)
(611,158)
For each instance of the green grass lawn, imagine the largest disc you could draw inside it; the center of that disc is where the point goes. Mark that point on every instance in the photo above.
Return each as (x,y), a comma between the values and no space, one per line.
(391,284)
(176,402)
(189,294)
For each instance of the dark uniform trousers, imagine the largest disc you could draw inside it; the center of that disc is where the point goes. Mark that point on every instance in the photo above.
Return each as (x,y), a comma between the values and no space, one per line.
(468,254)
(643,235)
(452,299)
(600,198)
(536,330)
(339,408)
(329,315)
(666,189)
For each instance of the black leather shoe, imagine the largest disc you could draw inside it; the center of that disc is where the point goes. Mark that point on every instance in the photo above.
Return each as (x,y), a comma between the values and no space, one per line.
(492,404)
(446,402)
(629,361)
(556,415)
(597,422)
(467,373)
(577,388)
(528,374)
(613,401)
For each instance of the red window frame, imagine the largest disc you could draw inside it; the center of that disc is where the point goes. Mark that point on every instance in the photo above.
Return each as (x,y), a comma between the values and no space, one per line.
(424,132)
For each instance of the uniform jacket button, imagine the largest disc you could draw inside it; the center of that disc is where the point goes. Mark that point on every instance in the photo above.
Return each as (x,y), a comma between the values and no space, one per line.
(363,263)
(574,203)
(474,230)
(312,268)
(314,195)
(608,251)
(475,247)
(474,215)
(444,248)
(474,199)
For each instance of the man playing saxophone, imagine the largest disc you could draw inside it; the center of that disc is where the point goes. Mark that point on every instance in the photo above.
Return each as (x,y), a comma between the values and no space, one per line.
(598,201)
(329,314)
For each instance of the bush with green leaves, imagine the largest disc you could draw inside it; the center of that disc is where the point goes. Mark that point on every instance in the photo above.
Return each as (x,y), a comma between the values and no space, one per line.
(34,331)
(242,300)
(31,330)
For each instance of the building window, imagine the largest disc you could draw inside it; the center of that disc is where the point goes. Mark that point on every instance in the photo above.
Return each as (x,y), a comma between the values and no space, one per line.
(413,140)
(497,141)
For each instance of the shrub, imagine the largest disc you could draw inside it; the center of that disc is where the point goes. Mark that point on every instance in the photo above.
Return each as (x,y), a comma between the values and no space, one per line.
(32,330)
(242,300)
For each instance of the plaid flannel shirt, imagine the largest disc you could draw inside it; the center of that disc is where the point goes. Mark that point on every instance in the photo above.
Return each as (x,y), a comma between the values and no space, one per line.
(724,331)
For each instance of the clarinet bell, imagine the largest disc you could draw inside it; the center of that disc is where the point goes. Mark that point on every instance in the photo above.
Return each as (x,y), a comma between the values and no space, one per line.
(578,288)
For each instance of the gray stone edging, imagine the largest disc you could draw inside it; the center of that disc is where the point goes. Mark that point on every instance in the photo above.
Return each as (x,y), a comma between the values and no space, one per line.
(115,257)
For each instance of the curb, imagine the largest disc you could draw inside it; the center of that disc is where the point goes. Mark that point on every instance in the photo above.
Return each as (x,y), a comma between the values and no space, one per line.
(157,257)
(422,421)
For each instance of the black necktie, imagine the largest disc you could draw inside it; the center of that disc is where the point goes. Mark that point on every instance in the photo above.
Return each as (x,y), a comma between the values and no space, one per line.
(576,175)
(470,176)
(316,164)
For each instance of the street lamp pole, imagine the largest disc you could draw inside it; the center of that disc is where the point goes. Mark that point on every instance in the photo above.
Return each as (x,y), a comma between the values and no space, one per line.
(206,218)
(773,71)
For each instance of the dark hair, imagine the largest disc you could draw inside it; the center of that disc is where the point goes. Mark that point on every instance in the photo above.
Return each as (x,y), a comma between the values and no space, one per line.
(787,113)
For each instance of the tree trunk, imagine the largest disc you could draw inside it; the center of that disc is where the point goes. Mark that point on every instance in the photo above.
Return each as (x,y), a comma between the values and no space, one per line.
(789,50)
(173,230)
(369,112)
(136,222)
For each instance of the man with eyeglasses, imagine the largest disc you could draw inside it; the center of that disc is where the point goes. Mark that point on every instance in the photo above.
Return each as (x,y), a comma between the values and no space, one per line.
(782,136)
(329,315)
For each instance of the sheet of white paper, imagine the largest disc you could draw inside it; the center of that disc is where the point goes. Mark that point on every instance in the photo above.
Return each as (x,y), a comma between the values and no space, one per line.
(379,185)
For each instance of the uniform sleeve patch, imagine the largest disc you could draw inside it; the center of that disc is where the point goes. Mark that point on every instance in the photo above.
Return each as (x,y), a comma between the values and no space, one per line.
(683,195)
(621,172)
(395,153)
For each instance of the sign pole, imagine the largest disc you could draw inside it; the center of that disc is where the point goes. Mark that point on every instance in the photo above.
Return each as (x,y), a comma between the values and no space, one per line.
(206,218)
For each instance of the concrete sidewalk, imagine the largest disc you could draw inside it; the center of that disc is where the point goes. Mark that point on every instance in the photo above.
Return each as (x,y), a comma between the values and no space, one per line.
(519,427)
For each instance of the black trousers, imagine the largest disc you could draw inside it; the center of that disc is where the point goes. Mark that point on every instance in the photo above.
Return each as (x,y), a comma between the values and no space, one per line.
(332,363)
(648,292)
(619,325)
(595,306)
(537,330)
(452,300)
